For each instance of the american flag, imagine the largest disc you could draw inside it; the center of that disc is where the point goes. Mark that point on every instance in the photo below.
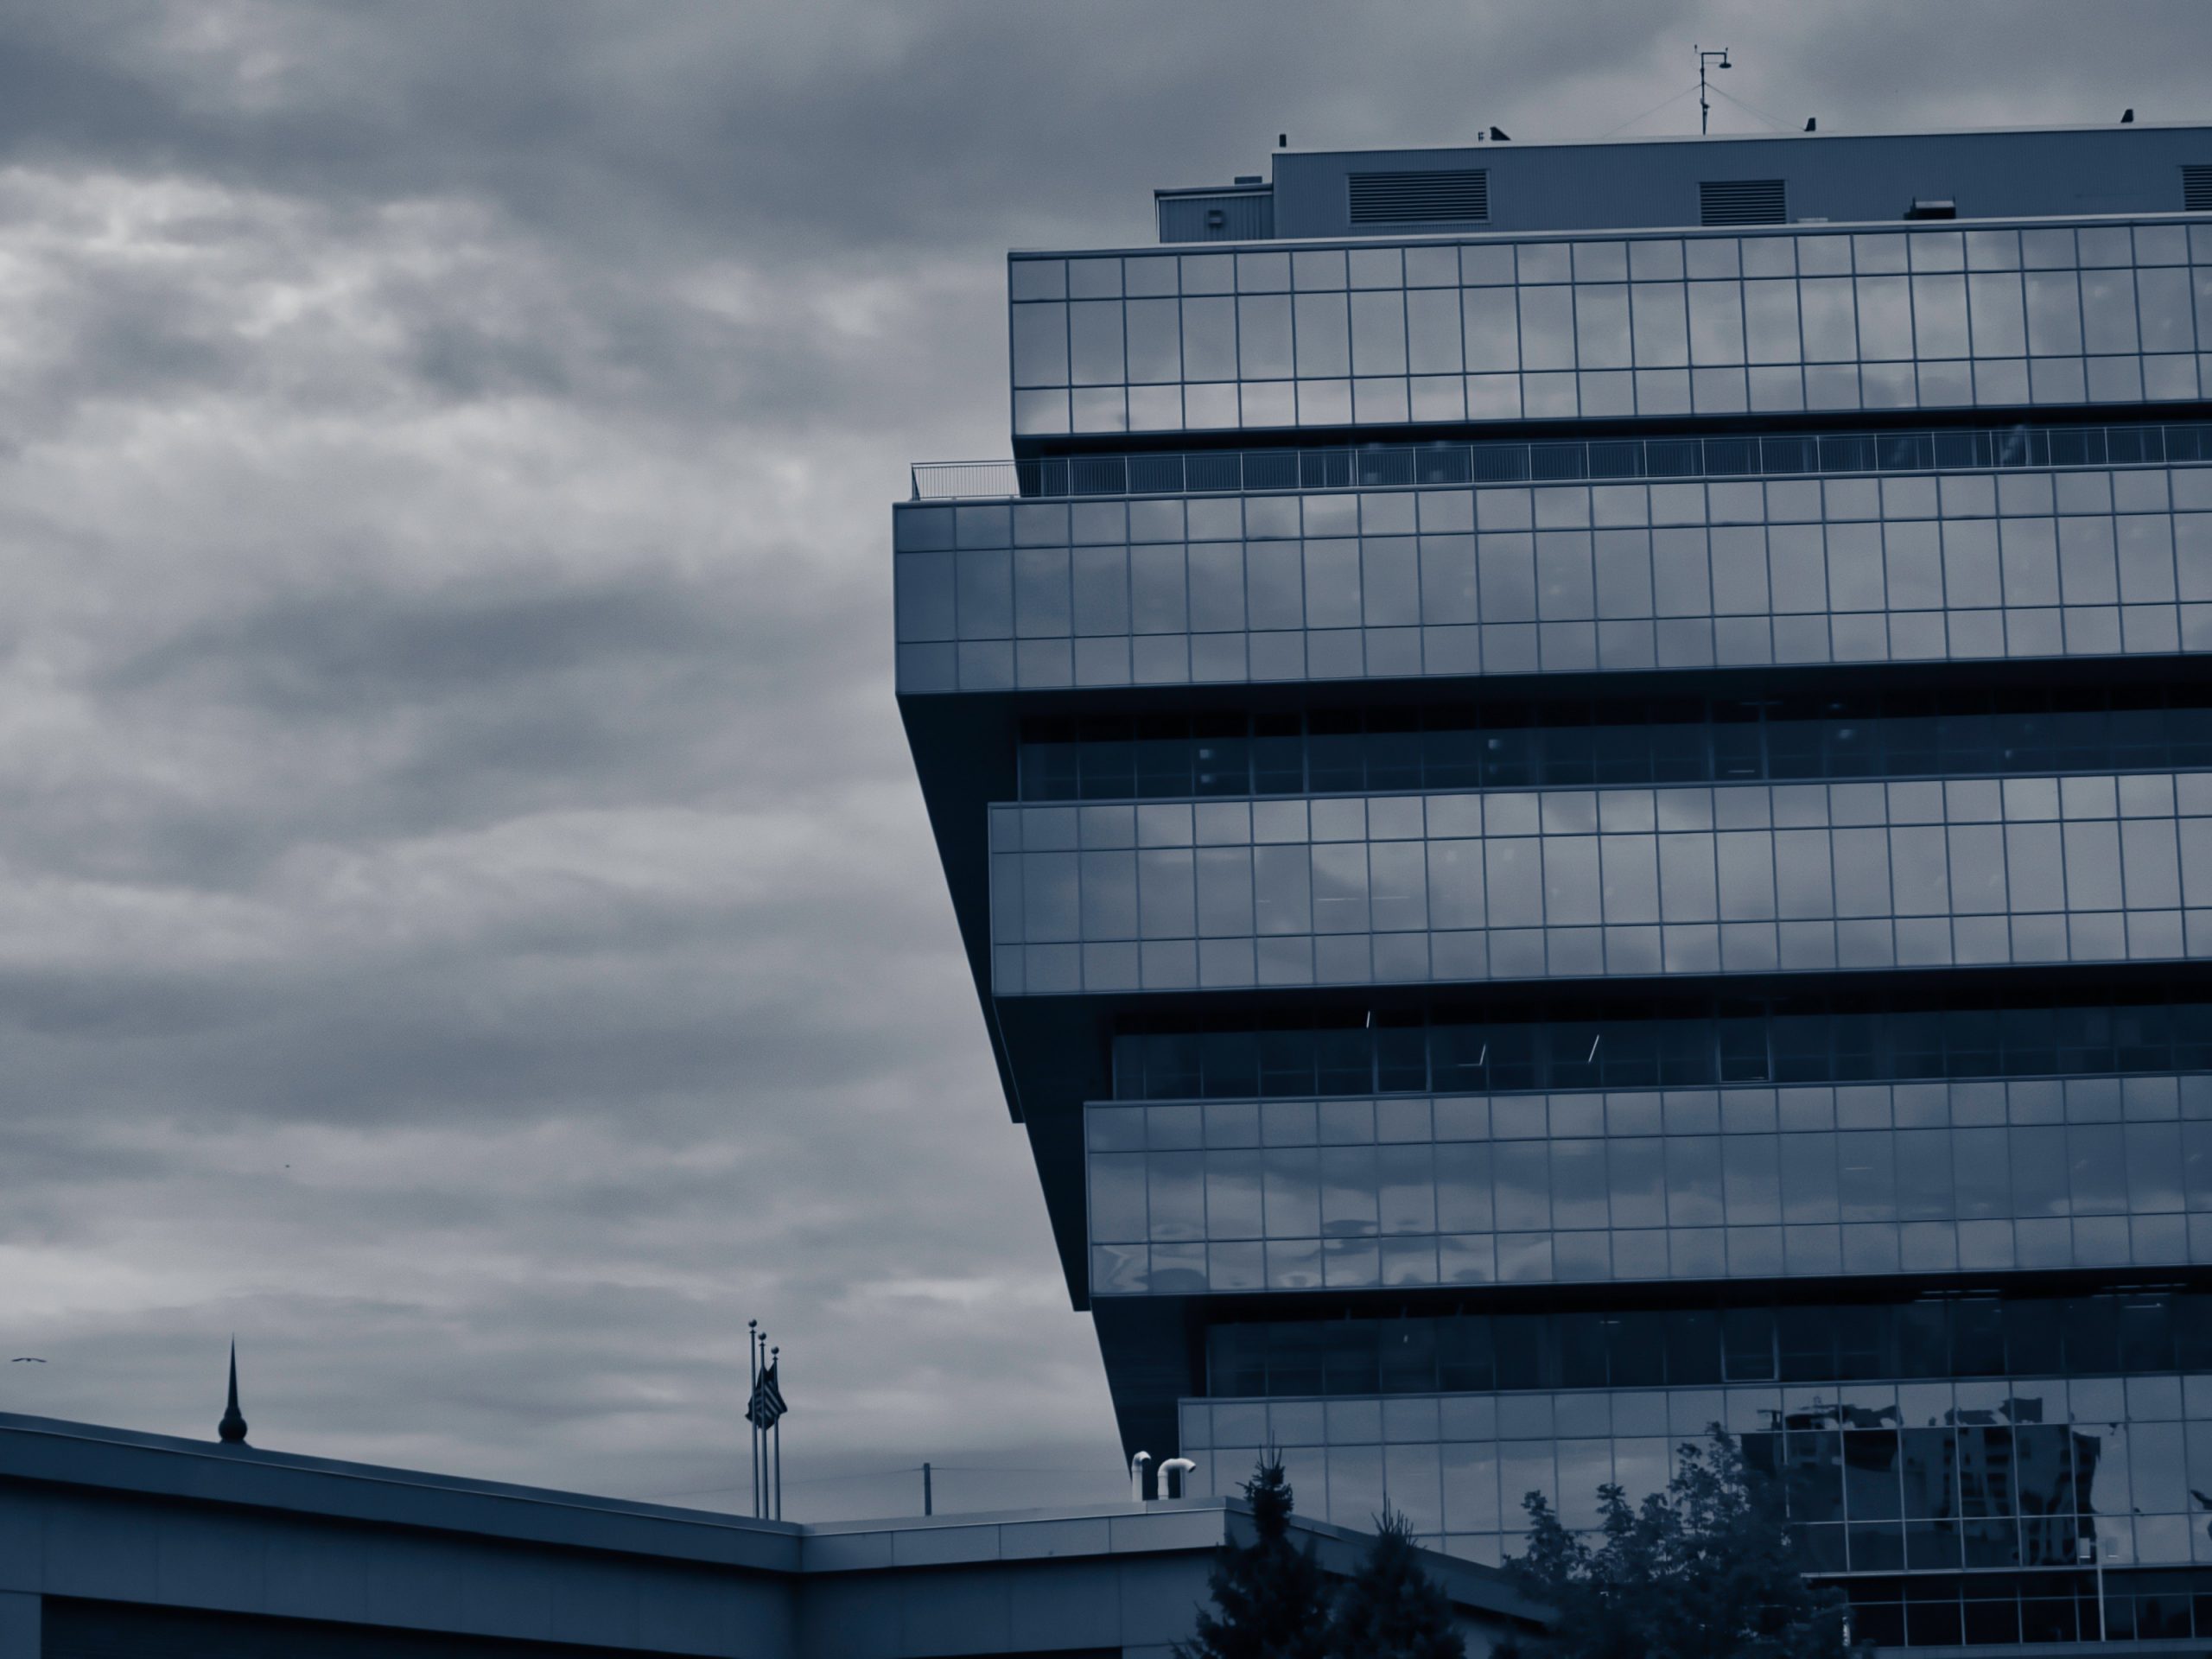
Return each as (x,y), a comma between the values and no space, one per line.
(768,1403)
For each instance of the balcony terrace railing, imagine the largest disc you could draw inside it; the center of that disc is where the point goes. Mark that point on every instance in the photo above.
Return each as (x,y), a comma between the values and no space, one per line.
(1386,466)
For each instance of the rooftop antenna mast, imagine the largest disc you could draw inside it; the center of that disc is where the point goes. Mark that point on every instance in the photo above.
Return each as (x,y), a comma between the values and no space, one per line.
(1704,108)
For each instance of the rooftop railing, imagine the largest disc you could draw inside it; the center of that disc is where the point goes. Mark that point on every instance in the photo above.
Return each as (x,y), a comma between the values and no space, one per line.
(1387,466)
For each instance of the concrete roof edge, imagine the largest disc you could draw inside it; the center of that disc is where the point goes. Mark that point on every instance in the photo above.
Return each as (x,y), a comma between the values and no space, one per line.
(1108,1511)
(55,1451)
(1158,190)
(1609,140)
(1648,232)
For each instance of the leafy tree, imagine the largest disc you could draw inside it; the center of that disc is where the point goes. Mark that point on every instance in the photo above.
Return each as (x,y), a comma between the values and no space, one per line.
(1702,1571)
(1390,1609)
(1270,1600)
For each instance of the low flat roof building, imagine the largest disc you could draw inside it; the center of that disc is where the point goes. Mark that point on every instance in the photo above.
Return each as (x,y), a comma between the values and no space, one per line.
(113,1543)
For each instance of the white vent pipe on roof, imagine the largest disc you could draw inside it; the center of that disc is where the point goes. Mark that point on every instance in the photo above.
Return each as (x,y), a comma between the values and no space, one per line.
(1181,1468)
(1136,1476)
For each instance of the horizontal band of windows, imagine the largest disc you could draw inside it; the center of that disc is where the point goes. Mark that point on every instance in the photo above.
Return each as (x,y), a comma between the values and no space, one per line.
(1646,1256)
(1612,328)
(2108,1335)
(1401,466)
(1792,1040)
(1383,513)
(2022,635)
(1460,863)
(2025,635)
(1393,403)
(1389,467)
(1429,262)
(1979,1105)
(2021,1498)
(1998,1609)
(1477,1205)
(1535,892)
(1518,954)
(1575,573)
(1522,745)
(1173,827)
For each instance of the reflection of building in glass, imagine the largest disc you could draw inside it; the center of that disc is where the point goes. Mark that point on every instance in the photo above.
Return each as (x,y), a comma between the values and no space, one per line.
(1577,819)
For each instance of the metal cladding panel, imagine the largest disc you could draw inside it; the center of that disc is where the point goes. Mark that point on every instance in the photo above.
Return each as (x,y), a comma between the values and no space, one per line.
(1836,176)
(1232,216)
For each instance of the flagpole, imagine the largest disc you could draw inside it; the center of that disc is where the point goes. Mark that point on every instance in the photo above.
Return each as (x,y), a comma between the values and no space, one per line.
(779,1443)
(752,1381)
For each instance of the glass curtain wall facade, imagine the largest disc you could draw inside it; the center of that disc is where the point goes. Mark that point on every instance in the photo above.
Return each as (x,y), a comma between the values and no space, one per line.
(1570,838)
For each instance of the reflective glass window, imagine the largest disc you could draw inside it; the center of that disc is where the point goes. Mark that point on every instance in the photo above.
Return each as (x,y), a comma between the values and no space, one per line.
(1547,327)
(1323,335)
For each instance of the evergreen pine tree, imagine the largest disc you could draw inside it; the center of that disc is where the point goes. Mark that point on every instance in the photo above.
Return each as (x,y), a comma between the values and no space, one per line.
(1389,1609)
(1270,1600)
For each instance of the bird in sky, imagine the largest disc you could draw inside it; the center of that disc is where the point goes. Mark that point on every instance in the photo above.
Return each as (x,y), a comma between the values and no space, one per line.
(26,1359)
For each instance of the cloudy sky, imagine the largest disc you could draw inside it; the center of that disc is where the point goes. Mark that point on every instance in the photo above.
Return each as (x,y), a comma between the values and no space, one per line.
(467,924)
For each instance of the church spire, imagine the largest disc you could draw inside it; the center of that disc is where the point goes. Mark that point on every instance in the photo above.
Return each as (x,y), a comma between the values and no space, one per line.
(233,1428)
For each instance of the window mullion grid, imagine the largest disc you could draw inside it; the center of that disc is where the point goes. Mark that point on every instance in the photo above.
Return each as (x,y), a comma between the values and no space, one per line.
(1459,329)
(1743,326)
(2082,324)
(1635,396)
(1713,845)
(1405,343)
(1774,880)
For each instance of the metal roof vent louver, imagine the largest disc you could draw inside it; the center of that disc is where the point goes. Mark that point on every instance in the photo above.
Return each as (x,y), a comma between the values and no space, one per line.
(1456,197)
(2197,188)
(1741,201)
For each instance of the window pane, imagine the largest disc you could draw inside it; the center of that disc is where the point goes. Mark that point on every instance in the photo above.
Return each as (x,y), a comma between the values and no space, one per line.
(1378,333)
(1094,342)
(1263,336)
(2108,311)
(1492,329)
(1831,320)
(1662,325)
(1040,346)
(1999,325)
(1324,338)
(1433,330)
(1547,327)
(2162,296)
(1716,322)
(1601,326)
(1155,347)
(1885,317)
(1210,339)
(1694,1186)
(1939,315)
(1770,321)
(2054,313)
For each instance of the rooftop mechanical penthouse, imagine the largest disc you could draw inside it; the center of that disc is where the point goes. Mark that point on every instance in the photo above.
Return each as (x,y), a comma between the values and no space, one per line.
(1578,780)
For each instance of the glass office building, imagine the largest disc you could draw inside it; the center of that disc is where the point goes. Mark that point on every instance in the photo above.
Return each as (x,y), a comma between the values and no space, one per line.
(1578,781)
